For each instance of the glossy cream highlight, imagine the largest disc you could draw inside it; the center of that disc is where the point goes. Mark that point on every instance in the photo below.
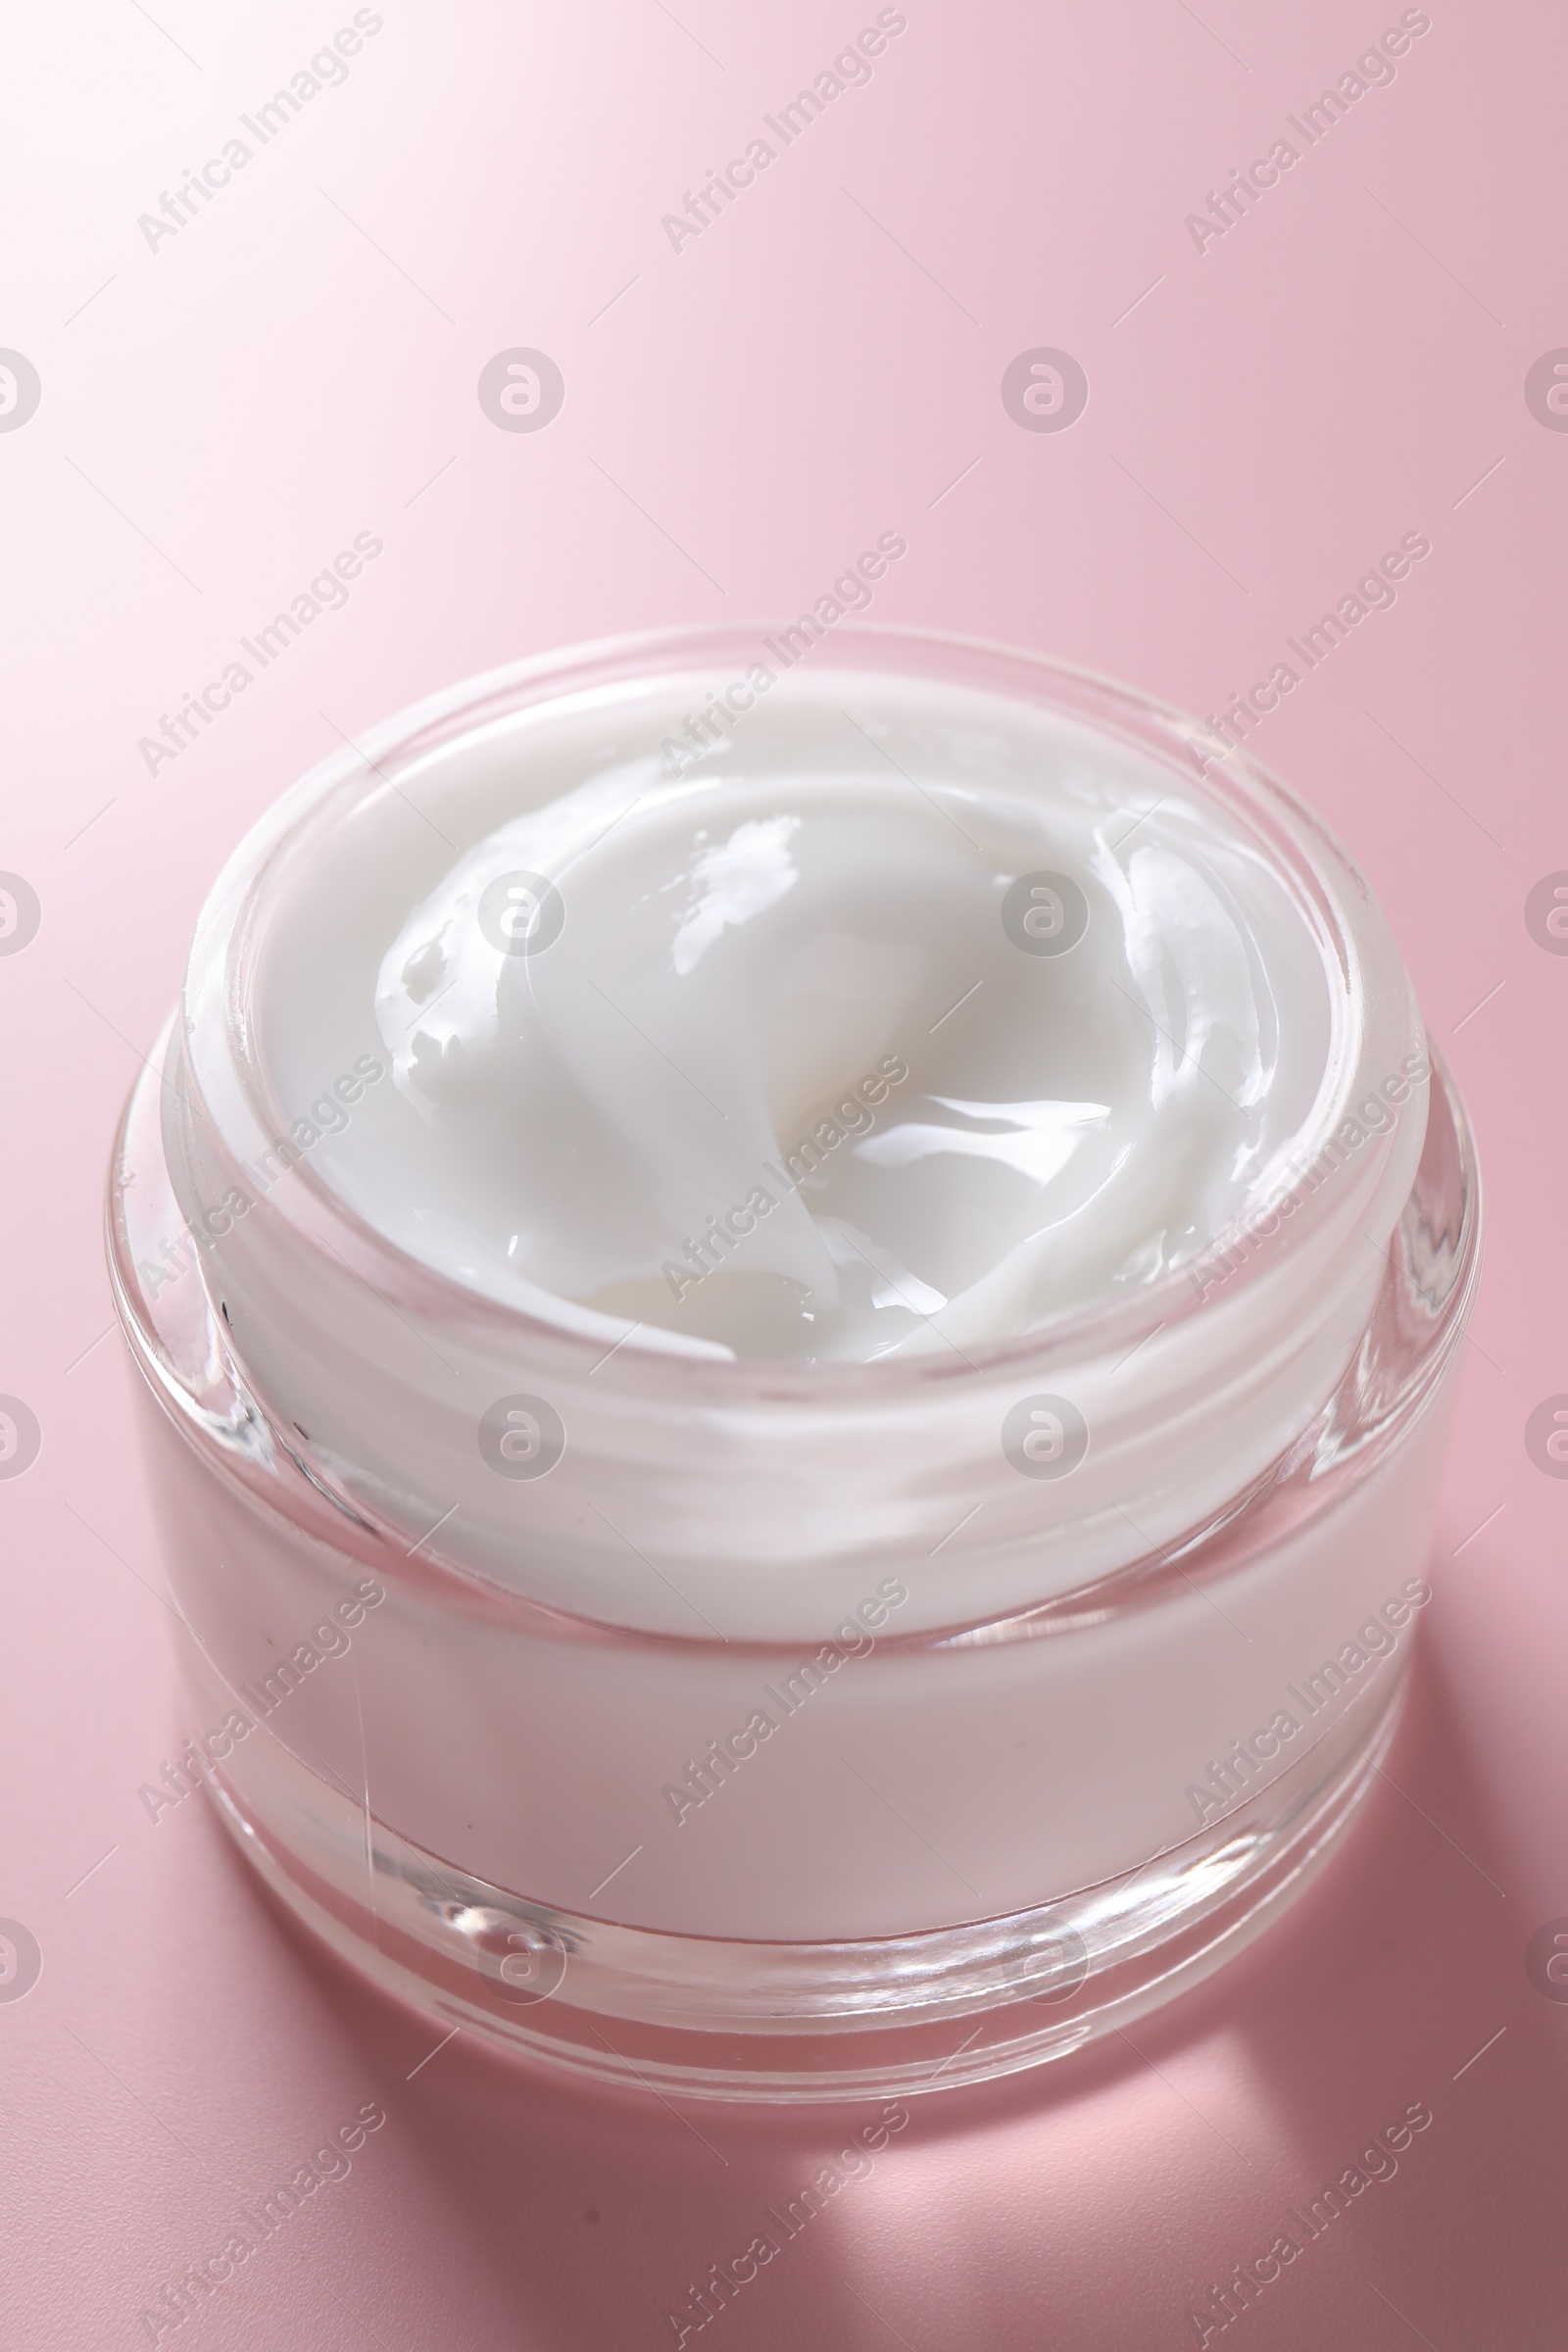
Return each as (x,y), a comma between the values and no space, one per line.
(761,1053)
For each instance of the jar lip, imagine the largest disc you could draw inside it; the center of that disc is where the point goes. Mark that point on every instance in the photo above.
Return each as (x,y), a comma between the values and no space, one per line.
(1329,885)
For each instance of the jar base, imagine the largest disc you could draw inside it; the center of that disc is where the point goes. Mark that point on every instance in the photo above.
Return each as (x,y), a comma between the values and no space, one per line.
(800,2023)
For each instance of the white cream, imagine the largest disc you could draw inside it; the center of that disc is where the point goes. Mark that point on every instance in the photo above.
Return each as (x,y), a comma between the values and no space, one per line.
(800,948)
(841,890)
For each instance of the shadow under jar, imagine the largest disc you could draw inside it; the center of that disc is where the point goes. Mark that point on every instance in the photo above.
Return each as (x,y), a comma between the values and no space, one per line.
(884,1643)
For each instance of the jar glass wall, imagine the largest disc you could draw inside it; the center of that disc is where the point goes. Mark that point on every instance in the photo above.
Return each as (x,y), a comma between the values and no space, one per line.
(747,1725)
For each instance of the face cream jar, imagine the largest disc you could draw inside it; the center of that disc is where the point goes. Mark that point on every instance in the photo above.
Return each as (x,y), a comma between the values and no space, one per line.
(797,1305)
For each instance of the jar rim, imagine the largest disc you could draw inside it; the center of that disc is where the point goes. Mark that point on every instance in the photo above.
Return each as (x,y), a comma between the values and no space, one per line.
(227,1068)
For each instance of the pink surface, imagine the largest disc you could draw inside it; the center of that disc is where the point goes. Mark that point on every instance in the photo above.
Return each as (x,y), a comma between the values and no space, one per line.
(220,416)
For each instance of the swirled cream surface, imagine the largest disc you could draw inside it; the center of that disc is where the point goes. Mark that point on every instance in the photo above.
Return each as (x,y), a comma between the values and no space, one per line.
(884,1016)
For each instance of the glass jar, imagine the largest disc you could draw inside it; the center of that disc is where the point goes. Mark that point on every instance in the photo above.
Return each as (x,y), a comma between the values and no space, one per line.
(765,1729)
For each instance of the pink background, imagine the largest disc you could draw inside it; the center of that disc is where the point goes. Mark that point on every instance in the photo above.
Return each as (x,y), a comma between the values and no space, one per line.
(299,364)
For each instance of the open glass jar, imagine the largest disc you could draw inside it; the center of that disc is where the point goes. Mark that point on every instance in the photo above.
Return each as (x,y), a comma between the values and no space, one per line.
(738,1723)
